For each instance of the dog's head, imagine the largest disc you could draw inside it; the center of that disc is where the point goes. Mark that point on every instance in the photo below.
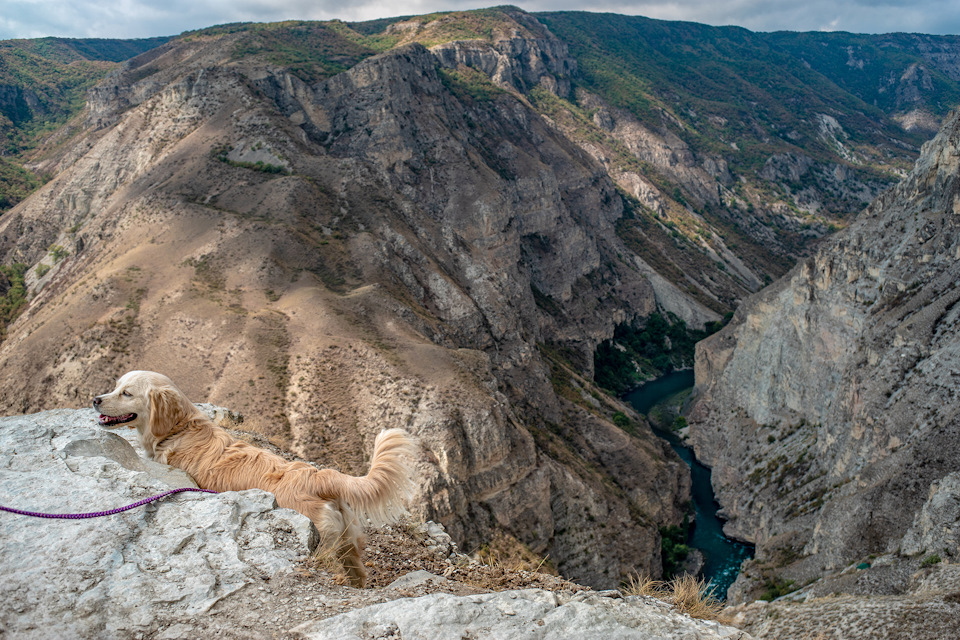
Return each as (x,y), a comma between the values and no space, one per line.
(147,401)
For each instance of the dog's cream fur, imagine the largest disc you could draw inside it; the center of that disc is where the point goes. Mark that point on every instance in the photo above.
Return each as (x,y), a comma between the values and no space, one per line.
(175,432)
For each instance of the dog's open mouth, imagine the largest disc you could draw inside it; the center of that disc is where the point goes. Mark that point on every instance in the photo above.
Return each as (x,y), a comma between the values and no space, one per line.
(109,421)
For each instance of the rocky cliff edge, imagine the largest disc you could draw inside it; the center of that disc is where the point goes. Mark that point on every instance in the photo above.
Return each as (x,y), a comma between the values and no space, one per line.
(235,565)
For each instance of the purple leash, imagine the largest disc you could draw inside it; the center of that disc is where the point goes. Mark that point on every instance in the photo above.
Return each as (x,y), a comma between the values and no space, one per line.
(97,514)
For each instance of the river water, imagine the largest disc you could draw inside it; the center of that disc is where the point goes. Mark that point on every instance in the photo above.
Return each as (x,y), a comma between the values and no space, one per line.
(722,555)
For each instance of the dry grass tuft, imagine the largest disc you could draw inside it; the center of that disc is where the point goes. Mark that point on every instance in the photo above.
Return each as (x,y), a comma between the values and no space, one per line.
(393,551)
(644,585)
(689,594)
(330,560)
(509,554)
(694,596)
(511,564)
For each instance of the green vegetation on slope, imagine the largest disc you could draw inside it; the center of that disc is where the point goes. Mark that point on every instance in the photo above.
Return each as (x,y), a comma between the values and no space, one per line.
(469,85)
(13,293)
(882,70)
(489,24)
(67,50)
(715,86)
(16,183)
(636,354)
(40,94)
(43,83)
(312,51)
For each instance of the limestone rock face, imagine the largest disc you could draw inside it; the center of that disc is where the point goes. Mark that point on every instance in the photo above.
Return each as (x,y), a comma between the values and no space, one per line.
(518,63)
(128,573)
(338,255)
(936,528)
(828,407)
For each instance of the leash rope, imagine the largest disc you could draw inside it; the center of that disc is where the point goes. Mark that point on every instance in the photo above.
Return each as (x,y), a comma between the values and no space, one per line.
(97,514)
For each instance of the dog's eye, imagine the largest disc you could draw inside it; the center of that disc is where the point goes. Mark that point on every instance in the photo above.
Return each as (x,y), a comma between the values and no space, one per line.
(126,393)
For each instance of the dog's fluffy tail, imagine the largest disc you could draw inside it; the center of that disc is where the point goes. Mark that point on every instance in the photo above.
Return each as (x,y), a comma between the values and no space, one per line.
(378,497)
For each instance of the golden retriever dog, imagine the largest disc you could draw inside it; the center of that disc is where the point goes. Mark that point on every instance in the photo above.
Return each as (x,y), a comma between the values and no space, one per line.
(175,432)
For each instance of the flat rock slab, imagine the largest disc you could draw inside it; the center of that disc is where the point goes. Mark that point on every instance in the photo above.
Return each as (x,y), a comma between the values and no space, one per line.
(530,614)
(122,575)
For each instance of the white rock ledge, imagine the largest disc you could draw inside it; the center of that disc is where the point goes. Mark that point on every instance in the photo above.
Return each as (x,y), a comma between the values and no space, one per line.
(116,576)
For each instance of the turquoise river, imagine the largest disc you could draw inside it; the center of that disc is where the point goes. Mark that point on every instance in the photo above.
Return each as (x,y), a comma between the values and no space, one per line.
(722,555)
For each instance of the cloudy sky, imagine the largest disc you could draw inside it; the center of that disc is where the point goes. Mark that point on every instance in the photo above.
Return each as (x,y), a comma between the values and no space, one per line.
(144,18)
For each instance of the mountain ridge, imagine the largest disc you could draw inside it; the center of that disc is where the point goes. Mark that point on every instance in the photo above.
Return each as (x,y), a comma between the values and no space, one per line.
(770,238)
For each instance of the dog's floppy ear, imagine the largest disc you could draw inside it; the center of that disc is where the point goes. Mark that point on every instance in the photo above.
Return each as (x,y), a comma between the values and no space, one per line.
(166,412)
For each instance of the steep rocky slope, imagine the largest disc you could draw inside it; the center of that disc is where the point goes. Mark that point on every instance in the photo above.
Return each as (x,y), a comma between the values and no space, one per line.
(747,143)
(828,407)
(391,245)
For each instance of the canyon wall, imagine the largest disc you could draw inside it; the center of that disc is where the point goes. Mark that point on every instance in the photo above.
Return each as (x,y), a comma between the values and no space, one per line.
(828,407)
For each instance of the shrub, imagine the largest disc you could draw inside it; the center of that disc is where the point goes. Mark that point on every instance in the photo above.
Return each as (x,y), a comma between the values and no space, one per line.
(694,596)
(643,585)
(469,85)
(673,548)
(14,298)
(930,560)
(776,587)
(58,253)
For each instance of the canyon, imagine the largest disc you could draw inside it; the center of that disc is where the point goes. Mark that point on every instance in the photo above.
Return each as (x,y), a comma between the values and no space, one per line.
(335,258)
(433,222)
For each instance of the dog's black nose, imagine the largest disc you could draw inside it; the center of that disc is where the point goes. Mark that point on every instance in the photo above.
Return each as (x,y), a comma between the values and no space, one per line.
(97,401)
